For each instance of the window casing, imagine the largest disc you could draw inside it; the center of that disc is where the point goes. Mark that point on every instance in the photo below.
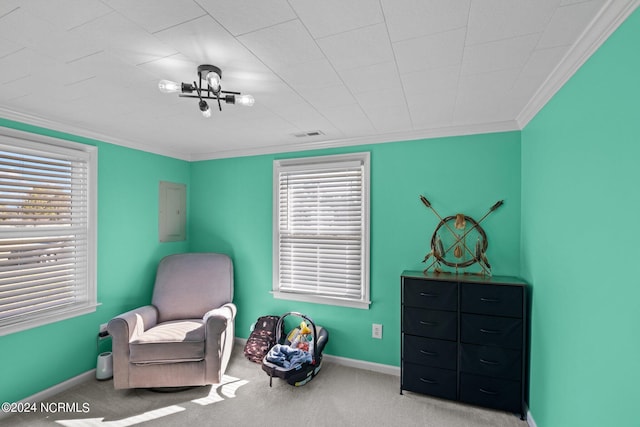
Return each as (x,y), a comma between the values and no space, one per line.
(47,230)
(321,229)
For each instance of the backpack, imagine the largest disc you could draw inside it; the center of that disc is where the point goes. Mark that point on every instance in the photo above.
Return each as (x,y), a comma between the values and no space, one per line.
(262,338)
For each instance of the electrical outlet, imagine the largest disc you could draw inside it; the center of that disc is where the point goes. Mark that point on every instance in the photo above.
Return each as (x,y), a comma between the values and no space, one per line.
(376,331)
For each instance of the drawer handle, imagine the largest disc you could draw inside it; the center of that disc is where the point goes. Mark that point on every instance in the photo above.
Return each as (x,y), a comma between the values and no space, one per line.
(428,295)
(422,322)
(489,392)
(424,380)
(489,362)
(428,353)
(489,299)
(489,331)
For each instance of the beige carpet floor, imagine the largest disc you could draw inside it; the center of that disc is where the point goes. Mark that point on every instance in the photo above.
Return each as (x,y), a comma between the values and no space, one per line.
(338,396)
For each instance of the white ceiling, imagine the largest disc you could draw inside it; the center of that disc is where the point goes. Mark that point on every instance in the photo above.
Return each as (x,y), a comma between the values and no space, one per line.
(357,70)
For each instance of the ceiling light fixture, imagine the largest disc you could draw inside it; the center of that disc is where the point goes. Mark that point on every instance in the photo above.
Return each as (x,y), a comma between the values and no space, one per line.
(211,89)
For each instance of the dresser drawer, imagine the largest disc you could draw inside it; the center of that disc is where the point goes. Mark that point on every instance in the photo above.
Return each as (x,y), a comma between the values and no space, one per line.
(491,392)
(430,352)
(430,323)
(491,361)
(430,294)
(491,299)
(493,331)
(428,380)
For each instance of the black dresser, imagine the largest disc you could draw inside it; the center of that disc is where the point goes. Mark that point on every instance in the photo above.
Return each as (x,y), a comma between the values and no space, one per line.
(465,338)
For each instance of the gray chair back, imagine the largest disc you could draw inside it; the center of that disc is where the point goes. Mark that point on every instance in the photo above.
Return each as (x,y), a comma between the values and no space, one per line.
(189,285)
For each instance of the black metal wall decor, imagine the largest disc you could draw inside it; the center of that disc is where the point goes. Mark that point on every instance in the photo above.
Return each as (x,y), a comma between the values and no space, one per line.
(452,238)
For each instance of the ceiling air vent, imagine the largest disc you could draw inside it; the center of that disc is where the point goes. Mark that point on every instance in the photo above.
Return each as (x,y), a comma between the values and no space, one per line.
(310,133)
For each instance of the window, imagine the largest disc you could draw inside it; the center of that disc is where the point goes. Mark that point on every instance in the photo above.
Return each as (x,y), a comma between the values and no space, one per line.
(321,229)
(47,230)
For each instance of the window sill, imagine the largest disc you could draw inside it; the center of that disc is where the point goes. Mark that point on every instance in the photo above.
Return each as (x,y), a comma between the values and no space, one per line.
(47,319)
(343,302)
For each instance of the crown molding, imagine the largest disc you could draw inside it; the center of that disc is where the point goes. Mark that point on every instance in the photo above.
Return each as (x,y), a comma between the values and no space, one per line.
(610,17)
(82,132)
(458,130)
(440,132)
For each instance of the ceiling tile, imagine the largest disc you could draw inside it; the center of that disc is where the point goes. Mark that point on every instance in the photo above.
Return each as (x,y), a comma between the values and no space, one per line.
(358,48)
(337,16)
(22,63)
(431,96)
(387,120)
(7,48)
(313,74)
(282,45)
(415,18)
(176,68)
(156,15)
(372,77)
(381,98)
(432,51)
(244,16)
(66,14)
(305,117)
(491,20)
(276,94)
(205,41)
(481,96)
(108,68)
(124,39)
(328,96)
(25,30)
(568,22)
(6,6)
(497,55)
(15,88)
(350,119)
(22,28)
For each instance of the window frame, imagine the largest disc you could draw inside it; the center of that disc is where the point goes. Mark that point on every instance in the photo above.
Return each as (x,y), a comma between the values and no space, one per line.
(54,146)
(323,161)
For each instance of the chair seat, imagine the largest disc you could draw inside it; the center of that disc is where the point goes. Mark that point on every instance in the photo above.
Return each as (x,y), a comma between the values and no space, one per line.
(170,342)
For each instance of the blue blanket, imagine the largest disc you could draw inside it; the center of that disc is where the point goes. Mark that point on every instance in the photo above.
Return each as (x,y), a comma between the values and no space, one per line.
(287,357)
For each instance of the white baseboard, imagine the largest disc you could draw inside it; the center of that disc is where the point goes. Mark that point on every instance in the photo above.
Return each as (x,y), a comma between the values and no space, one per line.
(345,361)
(58,388)
(361,364)
(530,421)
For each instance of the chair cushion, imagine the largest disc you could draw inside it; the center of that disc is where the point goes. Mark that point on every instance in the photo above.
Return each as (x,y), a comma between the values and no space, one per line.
(168,342)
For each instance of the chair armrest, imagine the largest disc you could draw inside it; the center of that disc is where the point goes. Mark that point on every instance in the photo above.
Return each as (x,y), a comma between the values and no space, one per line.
(126,327)
(216,320)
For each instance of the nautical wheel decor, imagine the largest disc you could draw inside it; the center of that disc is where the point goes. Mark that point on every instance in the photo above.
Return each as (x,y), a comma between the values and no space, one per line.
(458,241)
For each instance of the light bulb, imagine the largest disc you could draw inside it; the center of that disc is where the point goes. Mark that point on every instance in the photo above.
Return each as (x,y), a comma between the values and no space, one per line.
(246,100)
(204,108)
(213,79)
(167,86)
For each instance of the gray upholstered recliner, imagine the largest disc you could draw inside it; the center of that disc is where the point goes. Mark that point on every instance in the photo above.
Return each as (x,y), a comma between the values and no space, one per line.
(185,337)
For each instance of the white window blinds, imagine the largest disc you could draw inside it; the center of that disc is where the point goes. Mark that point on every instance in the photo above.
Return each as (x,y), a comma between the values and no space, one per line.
(46,241)
(322,227)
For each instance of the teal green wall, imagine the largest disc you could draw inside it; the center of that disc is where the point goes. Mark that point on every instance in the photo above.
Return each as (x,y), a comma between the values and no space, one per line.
(128,252)
(580,206)
(231,212)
